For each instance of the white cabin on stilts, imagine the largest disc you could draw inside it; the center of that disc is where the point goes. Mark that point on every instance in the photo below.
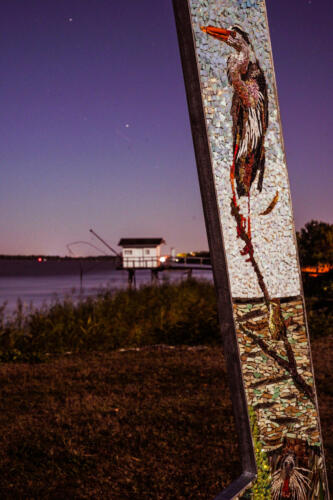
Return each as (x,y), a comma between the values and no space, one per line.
(141,253)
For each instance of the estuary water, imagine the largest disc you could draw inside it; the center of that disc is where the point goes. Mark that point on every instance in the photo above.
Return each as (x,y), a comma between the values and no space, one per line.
(36,291)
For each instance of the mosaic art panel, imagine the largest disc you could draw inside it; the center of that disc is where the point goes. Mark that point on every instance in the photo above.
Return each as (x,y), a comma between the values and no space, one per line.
(279,385)
(268,208)
(238,91)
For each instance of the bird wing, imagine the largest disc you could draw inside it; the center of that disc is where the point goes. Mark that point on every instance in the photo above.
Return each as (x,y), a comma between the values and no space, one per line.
(252,130)
(264,118)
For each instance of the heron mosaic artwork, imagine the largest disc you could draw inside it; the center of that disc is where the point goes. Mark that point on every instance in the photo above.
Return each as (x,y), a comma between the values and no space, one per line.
(242,123)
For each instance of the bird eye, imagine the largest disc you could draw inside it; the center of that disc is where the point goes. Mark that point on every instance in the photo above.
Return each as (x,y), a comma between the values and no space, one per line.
(233,34)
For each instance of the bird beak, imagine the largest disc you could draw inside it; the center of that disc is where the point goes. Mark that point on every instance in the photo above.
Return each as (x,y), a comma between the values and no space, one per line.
(219,33)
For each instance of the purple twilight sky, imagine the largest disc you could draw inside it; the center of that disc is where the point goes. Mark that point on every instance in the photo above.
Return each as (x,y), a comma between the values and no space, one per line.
(95,130)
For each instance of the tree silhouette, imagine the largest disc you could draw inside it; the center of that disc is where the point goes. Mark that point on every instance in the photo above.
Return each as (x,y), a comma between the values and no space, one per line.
(315,243)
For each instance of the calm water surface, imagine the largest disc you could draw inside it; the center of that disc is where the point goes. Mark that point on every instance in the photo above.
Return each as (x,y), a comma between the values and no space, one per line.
(37,291)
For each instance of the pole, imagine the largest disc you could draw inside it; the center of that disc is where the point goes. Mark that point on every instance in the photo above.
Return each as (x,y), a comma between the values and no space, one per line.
(104,242)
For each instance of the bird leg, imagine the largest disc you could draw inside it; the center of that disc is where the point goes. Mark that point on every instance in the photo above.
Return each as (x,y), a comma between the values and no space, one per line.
(242,222)
(276,323)
(248,215)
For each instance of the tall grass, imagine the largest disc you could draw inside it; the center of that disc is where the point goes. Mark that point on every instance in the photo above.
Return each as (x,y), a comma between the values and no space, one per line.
(170,314)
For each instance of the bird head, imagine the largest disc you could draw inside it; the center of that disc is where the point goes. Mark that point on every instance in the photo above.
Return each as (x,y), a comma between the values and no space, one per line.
(235,37)
(288,465)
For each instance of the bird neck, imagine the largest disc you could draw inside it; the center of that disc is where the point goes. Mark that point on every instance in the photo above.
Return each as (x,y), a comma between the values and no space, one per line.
(238,62)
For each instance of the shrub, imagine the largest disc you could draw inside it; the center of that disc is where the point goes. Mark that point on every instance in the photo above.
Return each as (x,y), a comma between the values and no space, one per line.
(169,314)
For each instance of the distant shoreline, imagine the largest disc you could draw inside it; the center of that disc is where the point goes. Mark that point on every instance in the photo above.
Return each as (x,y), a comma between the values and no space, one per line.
(56,257)
(18,267)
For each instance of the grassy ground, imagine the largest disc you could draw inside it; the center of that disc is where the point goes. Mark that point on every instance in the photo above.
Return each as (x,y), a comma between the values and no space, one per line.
(148,424)
(154,423)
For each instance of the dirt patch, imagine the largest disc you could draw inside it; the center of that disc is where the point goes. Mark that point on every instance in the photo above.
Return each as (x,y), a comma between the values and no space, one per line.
(149,424)
(152,424)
